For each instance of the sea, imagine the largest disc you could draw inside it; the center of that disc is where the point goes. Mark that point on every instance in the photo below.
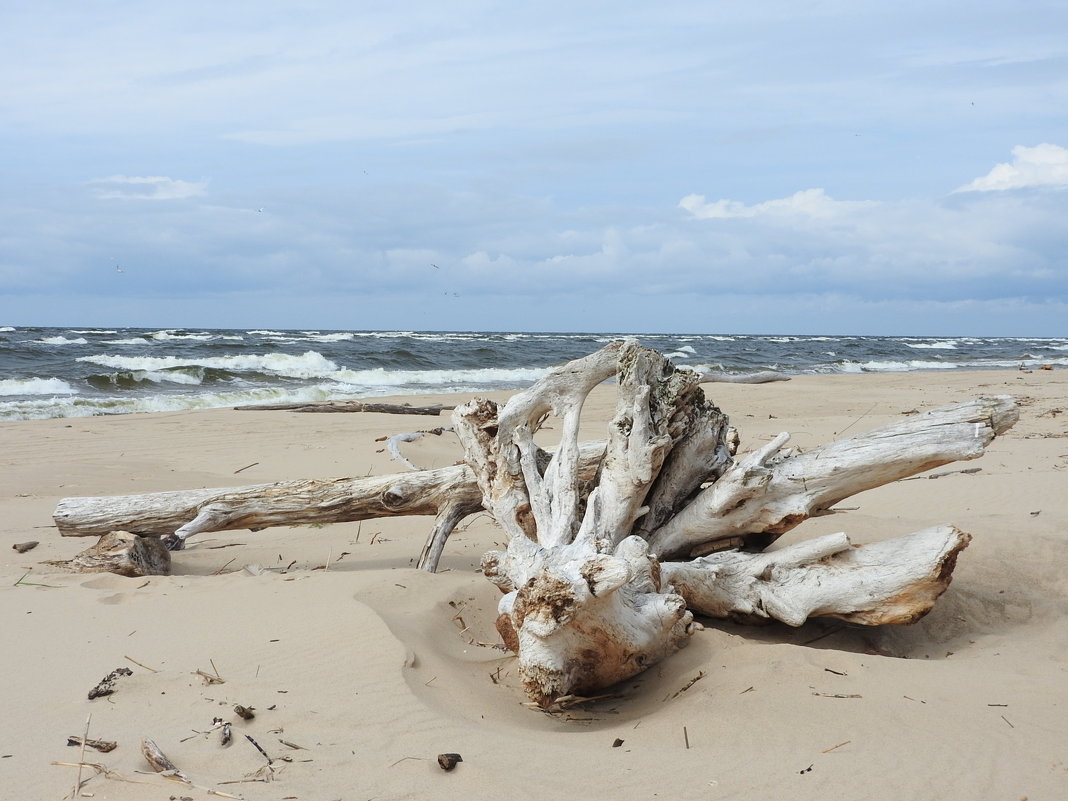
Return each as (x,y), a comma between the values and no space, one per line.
(82,372)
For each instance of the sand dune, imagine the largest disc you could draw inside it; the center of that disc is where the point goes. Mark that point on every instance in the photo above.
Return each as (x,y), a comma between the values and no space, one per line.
(360,674)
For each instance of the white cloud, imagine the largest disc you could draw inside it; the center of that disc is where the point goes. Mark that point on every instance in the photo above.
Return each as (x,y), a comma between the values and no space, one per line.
(1041,165)
(808,203)
(149,187)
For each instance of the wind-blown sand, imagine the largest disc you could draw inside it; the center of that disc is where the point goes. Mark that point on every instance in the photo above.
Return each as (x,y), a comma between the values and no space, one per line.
(373,668)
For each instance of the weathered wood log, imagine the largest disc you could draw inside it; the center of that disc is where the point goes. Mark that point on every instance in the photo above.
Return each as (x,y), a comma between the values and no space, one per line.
(894,581)
(761,377)
(448,493)
(180,514)
(344,406)
(768,492)
(123,553)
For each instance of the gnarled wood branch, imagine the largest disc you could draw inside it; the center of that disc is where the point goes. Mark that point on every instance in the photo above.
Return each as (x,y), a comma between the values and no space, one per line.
(767,492)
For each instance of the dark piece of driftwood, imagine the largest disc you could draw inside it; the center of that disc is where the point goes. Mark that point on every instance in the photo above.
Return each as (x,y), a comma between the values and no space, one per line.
(762,377)
(104,746)
(22,547)
(123,553)
(106,686)
(344,406)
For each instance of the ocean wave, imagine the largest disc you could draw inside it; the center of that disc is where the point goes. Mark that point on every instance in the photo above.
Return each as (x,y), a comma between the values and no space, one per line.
(168,335)
(355,380)
(63,341)
(132,341)
(943,344)
(306,365)
(6,329)
(44,409)
(35,386)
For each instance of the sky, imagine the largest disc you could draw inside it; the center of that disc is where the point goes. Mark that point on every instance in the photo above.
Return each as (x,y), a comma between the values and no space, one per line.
(811,166)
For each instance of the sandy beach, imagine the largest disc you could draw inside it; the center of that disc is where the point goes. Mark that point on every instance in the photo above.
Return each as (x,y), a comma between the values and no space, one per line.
(361,669)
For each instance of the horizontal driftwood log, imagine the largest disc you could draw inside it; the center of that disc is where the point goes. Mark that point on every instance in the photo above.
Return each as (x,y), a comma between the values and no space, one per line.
(761,377)
(449,493)
(344,406)
(332,500)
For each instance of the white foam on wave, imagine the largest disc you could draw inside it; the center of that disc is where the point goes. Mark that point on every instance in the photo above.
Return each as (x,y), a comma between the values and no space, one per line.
(169,377)
(133,341)
(897,366)
(354,380)
(6,329)
(44,409)
(306,365)
(942,344)
(35,386)
(165,336)
(63,341)
(337,337)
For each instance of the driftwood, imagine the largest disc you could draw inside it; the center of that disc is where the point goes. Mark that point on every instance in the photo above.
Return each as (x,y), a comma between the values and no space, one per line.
(124,553)
(612,547)
(344,406)
(761,377)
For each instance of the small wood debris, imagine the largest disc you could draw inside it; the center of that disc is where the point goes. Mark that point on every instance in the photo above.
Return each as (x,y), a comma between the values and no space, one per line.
(244,712)
(690,683)
(209,678)
(22,547)
(833,747)
(449,761)
(838,695)
(107,684)
(617,743)
(103,746)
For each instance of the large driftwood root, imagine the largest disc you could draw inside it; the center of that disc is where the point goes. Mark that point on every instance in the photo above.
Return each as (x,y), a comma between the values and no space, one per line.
(611,547)
(123,553)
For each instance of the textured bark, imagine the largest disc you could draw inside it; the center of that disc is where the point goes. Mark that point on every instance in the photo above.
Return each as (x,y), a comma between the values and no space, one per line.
(584,604)
(180,514)
(123,553)
(894,581)
(768,492)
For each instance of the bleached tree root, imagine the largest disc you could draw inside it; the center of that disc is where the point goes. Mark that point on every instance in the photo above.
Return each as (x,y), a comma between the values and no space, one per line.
(768,492)
(894,581)
(585,605)
(586,620)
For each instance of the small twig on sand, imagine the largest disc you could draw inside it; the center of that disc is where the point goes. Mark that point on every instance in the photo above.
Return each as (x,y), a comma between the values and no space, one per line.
(689,684)
(146,667)
(81,759)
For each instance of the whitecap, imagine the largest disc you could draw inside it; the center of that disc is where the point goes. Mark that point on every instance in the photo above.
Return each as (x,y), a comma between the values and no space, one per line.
(35,386)
(942,344)
(63,341)
(306,365)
